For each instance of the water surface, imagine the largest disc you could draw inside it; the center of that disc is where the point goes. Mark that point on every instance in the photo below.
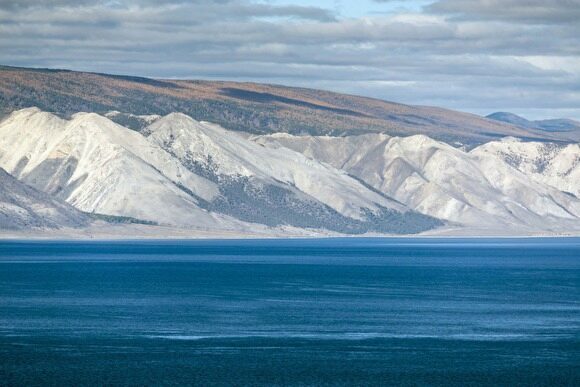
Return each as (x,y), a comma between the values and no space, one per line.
(291,312)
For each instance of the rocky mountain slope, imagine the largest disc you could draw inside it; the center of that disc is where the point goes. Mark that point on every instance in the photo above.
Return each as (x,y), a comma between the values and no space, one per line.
(249,107)
(552,164)
(22,207)
(190,174)
(477,188)
(179,172)
(100,167)
(244,169)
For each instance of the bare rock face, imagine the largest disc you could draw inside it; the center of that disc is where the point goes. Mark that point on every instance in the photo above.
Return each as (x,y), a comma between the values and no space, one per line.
(185,173)
(180,172)
(497,186)
(23,207)
(556,165)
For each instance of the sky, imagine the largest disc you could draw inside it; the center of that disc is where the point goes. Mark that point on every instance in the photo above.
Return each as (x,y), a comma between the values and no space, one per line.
(479,56)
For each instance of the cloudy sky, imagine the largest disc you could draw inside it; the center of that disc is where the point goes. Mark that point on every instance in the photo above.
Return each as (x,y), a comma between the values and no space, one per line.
(474,55)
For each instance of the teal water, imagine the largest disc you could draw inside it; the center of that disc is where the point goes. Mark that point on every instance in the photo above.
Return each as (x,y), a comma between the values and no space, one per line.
(291,312)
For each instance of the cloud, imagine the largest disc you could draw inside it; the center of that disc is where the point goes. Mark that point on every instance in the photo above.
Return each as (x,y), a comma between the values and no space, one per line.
(528,11)
(457,54)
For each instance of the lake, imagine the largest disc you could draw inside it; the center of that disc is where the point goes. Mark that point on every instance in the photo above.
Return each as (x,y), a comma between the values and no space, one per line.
(352,311)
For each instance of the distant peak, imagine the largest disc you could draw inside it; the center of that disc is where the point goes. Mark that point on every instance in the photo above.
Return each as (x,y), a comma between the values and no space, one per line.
(510,139)
(503,114)
(509,118)
(173,122)
(32,109)
(178,116)
(36,114)
(420,139)
(176,119)
(92,118)
(84,115)
(549,125)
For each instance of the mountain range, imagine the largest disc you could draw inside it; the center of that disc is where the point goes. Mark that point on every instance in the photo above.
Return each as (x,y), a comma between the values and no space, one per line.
(248,107)
(184,173)
(558,125)
(71,169)
(478,188)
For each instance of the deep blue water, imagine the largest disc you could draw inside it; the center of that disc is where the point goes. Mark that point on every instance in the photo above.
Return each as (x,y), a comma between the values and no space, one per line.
(291,312)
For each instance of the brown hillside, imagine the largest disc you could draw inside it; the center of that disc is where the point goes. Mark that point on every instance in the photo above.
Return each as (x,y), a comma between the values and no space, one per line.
(251,107)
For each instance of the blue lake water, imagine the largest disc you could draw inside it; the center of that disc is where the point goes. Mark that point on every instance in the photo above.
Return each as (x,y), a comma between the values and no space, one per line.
(291,312)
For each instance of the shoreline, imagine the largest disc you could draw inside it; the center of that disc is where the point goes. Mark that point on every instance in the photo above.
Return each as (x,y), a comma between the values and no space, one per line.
(103,232)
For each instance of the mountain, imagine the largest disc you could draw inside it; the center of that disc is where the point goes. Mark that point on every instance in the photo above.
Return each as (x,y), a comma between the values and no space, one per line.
(101,167)
(552,164)
(274,187)
(186,173)
(248,107)
(511,118)
(559,125)
(475,189)
(22,207)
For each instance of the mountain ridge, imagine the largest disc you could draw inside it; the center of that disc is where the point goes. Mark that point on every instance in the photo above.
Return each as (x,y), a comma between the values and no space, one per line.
(475,188)
(248,107)
(181,172)
(161,176)
(564,125)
